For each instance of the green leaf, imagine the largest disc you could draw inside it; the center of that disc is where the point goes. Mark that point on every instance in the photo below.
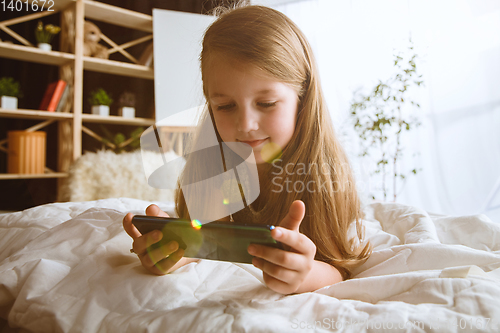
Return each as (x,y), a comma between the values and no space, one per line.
(119,138)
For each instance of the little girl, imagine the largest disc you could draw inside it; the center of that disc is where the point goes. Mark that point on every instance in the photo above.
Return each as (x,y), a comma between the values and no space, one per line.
(262,88)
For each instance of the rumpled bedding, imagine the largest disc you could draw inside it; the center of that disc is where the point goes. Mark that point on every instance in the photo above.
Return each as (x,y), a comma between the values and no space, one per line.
(66,267)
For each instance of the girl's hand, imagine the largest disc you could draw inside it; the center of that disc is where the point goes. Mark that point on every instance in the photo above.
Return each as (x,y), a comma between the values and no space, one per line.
(285,271)
(160,260)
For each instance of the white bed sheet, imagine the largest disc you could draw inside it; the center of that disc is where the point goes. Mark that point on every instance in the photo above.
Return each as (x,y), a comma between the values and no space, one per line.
(66,267)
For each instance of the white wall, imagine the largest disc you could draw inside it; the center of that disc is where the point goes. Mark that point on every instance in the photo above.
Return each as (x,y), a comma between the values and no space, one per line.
(459,41)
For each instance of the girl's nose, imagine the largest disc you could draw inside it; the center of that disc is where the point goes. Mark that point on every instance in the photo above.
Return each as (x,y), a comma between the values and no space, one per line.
(248,120)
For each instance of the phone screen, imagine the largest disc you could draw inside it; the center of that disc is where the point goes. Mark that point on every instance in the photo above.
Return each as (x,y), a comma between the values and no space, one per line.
(225,241)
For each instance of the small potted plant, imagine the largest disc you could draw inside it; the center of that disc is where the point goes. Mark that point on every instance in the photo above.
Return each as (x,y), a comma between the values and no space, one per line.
(100,101)
(9,92)
(120,140)
(127,105)
(44,35)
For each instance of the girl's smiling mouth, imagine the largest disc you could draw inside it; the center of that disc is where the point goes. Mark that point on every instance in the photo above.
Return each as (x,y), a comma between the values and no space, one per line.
(253,143)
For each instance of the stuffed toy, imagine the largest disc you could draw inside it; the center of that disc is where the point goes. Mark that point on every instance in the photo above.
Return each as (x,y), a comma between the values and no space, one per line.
(91,46)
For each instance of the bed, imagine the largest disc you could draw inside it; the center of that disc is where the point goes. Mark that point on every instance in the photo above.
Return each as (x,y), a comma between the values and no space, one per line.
(66,267)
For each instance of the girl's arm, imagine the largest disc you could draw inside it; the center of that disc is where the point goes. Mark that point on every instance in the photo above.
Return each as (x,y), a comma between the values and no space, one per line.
(321,275)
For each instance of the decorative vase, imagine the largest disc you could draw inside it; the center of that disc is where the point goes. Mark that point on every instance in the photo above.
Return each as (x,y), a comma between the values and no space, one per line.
(101,110)
(8,102)
(45,46)
(126,112)
(26,152)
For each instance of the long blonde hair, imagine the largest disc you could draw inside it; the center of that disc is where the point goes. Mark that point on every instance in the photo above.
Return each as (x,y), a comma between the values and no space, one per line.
(270,41)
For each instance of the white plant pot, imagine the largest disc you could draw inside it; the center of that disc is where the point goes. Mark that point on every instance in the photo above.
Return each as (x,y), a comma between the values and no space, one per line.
(127,112)
(45,46)
(101,110)
(9,102)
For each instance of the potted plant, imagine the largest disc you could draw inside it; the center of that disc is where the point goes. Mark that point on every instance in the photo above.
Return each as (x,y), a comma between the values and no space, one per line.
(100,101)
(44,35)
(9,92)
(382,116)
(127,105)
(120,140)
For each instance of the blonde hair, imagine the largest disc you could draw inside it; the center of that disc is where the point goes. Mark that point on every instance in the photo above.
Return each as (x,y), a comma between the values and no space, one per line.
(270,41)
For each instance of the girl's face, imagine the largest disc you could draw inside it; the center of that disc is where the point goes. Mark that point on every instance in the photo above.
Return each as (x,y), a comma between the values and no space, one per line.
(250,106)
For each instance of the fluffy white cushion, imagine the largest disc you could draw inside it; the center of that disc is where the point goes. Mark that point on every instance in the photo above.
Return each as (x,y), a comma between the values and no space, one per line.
(105,174)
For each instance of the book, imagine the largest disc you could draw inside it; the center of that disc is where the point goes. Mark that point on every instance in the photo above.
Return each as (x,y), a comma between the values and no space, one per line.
(52,96)
(64,98)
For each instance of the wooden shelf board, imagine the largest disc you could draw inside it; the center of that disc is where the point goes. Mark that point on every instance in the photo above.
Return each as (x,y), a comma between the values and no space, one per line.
(58,4)
(34,114)
(117,68)
(92,118)
(118,16)
(33,176)
(177,129)
(110,14)
(34,54)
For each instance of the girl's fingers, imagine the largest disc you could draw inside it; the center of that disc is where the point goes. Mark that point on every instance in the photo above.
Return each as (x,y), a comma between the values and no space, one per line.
(154,256)
(295,215)
(289,260)
(141,243)
(297,241)
(154,210)
(129,227)
(162,266)
(278,272)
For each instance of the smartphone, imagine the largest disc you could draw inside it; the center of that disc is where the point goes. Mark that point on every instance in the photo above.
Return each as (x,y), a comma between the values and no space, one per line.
(224,241)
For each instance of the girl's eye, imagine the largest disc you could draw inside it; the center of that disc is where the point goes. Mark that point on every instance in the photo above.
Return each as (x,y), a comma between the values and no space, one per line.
(225,107)
(267,104)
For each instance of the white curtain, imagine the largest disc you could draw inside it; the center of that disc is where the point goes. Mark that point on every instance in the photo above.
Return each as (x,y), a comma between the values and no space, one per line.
(459,44)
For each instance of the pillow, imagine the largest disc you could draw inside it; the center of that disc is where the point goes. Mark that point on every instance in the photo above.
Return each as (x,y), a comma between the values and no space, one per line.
(106,174)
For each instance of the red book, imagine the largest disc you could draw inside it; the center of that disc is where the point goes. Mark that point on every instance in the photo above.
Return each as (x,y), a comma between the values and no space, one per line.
(52,96)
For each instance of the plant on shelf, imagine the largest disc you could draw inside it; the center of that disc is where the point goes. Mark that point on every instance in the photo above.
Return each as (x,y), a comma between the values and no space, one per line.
(382,116)
(44,35)
(100,102)
(127,105)
(9,91)
(120,140)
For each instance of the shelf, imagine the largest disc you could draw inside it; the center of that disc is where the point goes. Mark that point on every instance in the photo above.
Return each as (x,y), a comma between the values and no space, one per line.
(117,68)
(34,114)
(118,16)
(110,14)
(58,4)
(33,176)
(34,54)
(92,118)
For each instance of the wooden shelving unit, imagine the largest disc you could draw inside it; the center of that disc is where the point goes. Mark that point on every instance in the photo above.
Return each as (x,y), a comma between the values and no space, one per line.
(91,118)
(71,124)
(117,68)
(34,54)
(34,114)
(34,176)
